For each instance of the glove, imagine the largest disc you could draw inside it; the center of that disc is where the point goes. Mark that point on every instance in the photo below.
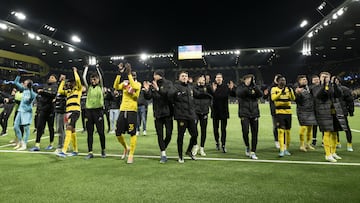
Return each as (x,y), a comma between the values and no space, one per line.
(128,68)
(351,114)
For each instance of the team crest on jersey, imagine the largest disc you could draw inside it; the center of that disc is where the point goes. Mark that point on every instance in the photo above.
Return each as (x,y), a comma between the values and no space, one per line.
(131,127)
(182,123)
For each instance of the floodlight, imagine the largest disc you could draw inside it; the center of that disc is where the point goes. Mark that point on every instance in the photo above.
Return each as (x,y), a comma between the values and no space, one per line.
(19,15)
(304,23)
(76,39)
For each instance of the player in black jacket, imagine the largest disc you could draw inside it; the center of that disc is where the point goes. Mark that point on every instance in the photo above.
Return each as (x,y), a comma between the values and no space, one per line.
(158,91)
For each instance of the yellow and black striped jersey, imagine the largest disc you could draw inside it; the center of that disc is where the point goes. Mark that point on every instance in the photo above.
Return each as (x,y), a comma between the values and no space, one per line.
(282,99)
(73,95)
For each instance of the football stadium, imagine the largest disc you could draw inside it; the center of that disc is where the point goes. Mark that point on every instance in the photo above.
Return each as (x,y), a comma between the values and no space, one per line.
(84,119)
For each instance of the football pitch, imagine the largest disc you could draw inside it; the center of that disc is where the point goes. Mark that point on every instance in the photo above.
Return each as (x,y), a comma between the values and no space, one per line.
(218,177)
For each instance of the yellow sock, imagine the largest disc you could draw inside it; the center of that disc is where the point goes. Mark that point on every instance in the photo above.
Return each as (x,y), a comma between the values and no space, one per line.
(287,139)
(133,140)
(302,134)
(37,144)
(281,138)
(66,141)
(308,134)
(51,143)
(326,141)
(122,141)
(74,142)
(333,141)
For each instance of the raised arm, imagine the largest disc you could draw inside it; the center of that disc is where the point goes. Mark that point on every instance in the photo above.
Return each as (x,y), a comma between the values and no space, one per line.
(77,79)
(19,86)
(100,77)
(84,76)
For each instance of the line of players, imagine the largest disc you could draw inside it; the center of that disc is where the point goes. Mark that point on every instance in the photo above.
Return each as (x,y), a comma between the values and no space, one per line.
(326,103)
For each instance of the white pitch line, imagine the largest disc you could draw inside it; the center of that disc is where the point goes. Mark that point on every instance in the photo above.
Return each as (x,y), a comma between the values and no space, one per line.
(357,131)
(10,145)
(203,158)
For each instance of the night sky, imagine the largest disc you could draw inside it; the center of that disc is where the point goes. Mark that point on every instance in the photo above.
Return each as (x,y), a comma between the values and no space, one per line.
(111,27)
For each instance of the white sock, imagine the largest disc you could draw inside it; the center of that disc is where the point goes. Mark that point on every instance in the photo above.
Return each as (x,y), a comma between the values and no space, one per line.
(163,153)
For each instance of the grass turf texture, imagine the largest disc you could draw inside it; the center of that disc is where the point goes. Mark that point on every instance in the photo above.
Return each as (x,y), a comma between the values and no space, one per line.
(45,178)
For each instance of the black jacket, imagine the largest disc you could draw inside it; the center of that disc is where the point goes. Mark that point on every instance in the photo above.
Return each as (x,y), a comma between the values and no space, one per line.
(141,100)
(115,100)
(248,100)
(60,103)
(347,101)
(220,106)
(182,95)
(202,105)
(305,107)
(162,106)
(325,100)
(47,97)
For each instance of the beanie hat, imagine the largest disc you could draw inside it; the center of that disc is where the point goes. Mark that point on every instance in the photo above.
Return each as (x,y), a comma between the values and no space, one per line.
(159,72)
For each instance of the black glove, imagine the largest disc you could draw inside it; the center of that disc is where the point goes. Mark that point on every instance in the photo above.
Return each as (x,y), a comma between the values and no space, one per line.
(128,68)
(351,114)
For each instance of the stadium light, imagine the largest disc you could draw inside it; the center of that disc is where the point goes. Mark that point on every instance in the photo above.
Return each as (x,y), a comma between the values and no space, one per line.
(304,23)
(92,61)
(19,15)
(3,26)
(76,39)
(47,30)
(143,57)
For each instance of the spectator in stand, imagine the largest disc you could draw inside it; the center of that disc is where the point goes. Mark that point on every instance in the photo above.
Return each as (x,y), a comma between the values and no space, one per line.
(46,112)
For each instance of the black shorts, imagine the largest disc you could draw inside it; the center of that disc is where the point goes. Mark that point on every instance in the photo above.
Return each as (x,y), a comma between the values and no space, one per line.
(70,118)
(283,121)
(126,123)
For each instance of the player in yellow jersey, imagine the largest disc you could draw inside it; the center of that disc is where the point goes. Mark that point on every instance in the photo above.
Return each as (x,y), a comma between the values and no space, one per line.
(126,82)
(282,96)
(72,90)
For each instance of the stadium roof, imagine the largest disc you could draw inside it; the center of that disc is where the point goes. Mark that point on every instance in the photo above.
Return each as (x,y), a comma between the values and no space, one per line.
(338,40)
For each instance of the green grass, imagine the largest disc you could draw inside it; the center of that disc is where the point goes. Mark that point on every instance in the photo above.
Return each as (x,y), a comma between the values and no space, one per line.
(30,177)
